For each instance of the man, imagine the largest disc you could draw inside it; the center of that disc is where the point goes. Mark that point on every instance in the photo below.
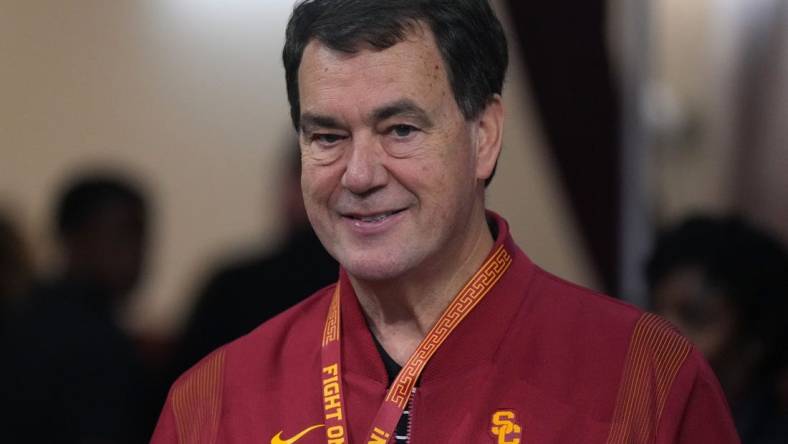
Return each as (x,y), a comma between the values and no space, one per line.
(399,115)
(70,373)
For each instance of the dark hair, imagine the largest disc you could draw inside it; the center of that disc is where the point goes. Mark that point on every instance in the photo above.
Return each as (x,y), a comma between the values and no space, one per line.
(86,195)
(14,262)
(468,35)
(748,265)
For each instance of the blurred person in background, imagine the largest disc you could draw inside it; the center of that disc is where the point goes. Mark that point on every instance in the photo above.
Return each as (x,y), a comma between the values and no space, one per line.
(724,284)
(15,269)
(243,294)
(70,373)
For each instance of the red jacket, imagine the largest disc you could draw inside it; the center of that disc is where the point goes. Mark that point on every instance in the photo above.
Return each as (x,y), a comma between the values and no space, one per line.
(539,360)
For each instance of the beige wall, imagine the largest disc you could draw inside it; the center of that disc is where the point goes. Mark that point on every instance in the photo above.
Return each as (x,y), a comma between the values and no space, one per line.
(691,100)
(719,73)
(189,96)
(702,49)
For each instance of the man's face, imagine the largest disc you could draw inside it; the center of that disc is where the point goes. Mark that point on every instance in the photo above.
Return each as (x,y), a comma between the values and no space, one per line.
(389,162)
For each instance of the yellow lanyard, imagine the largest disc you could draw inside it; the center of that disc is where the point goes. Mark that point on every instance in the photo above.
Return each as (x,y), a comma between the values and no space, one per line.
(390,410)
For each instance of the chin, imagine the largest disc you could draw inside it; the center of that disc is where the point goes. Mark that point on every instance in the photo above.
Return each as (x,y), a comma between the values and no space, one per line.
(375,268)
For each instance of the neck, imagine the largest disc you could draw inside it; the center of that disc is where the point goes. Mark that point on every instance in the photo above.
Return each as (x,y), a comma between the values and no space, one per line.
(401,311)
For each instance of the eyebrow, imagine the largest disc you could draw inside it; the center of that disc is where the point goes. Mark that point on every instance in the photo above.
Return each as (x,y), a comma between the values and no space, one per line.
(310,121)
(404,107)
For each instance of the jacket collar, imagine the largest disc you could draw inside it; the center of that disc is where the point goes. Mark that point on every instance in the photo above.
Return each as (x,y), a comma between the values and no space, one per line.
(474,342)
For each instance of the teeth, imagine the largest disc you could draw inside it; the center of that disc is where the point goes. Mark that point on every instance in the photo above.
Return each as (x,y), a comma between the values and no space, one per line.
(377,218)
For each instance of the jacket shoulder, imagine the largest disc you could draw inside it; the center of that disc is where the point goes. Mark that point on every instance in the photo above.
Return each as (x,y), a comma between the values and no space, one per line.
(656,354)
(197,398)
(586,310)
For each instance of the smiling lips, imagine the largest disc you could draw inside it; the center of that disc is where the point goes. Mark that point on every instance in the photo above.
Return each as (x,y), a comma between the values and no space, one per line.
(372,223)
(377,218)
(372,217)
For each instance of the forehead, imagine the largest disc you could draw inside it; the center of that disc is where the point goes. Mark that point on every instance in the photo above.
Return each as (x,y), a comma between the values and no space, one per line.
(411,69)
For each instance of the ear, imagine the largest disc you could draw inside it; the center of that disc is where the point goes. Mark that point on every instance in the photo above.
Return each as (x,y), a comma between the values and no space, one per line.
(489,137)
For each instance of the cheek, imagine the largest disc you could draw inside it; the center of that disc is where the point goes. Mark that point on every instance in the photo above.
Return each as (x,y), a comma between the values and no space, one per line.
(425,176)
(460,154)
(442,178)
(319,184)
(313,180)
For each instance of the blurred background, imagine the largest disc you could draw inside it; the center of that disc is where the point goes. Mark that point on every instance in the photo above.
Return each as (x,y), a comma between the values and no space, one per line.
(625,119)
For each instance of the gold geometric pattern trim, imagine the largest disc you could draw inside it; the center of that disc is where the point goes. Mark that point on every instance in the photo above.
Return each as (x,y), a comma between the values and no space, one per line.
(331,329)
(462,304)
(656,353)
(197,402)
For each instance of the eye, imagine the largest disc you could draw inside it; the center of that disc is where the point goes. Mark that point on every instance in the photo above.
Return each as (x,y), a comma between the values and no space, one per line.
(327,139)
(402,131)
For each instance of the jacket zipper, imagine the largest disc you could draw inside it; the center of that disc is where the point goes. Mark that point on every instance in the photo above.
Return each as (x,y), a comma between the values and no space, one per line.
(411,402)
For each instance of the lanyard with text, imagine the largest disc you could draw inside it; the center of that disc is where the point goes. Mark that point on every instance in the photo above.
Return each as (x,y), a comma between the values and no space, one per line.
(397,396)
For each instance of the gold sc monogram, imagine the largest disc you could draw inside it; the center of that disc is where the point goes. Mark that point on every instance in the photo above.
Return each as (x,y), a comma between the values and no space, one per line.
(505,428)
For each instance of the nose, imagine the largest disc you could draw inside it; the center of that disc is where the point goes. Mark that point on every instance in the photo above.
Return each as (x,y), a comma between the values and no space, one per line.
(365,170)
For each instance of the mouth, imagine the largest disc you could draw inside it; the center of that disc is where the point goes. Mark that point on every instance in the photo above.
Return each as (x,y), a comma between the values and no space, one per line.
(372,218)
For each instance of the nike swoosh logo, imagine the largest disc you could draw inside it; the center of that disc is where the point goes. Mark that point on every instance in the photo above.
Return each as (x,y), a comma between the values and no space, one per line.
(278,438)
